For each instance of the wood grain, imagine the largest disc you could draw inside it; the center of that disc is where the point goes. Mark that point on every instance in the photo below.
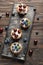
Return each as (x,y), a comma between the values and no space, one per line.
(37,57)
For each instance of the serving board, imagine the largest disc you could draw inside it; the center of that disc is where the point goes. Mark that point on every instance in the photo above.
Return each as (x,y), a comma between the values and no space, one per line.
(15,23)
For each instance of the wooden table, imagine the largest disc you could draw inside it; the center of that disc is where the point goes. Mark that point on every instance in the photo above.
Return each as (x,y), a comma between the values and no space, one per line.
(37,56)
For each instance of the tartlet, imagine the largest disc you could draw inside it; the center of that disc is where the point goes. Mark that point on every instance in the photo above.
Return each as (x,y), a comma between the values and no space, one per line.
(16,48)
(16,33)
(22,9)
(25,23)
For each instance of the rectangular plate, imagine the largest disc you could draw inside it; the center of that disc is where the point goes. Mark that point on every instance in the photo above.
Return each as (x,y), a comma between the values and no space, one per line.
(14,23)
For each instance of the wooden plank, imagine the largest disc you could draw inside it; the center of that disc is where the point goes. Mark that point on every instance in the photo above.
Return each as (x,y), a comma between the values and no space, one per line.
(37,57)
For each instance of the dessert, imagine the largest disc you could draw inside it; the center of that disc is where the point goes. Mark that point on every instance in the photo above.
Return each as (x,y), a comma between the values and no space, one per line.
(22,9)
(16,48)
(25,23)
(16,33)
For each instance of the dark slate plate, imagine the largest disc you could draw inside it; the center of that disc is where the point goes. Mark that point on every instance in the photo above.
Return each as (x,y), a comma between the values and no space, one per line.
(14,23)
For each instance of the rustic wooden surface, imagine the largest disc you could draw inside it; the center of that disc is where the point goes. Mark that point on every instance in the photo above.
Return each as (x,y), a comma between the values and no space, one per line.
(37,57)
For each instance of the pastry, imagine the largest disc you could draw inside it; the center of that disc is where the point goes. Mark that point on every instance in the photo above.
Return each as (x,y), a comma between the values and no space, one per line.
(25,23)
(16,48)
(16,33)
(22,9)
